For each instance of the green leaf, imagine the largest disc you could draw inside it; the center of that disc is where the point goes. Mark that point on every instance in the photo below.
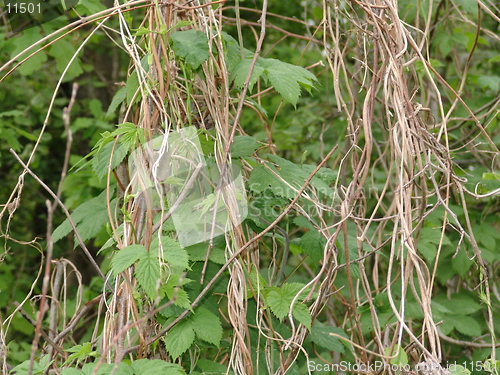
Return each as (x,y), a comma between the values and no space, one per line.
(156,366)
(107,368)
(89,218)
(466,325)
(279,304)
(127,256)
(458,370)
(461,262)
(240,72)
(320,335)
(445,42)
(71,371)
(489,82)
(313,244)
(172,289)
(262,177)
(243,146)
(280,300)
(26,39)
(173,253)
(10,136)
(302,314)
(81,352)
(400,359)
(179,338)
(118,99)
(132,88)
(192,45)
(207,326)
(63,51)
(429,240)
(100,163)
(198,253)
(147,272)
(39,367)
(212,368)
(288,79)
(458,304)
(130,135)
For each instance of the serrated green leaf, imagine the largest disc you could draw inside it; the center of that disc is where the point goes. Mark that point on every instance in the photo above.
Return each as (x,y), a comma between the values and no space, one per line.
(101,160)
(198,253)
(173,290)
(107,368)
(192,46)
(461,262)
(89,218)
(262,177)
(279,304)
(232,51)
(156,366)
(132,88)
(320,335)
(118,99)
(465,324)
(71,371)
(445,42)
(428,242)
(212,368)
(243,146)
(179,338)
(63,51)
(280,299)
(302,314)
(126,257)
(147,272)
(291,289)
(288,79)
(10,136)
(459,304)
(173,253)
(458,370)
(313,243)
(240,72)
(26,39)
(81,352)
(207,326)
(39,367)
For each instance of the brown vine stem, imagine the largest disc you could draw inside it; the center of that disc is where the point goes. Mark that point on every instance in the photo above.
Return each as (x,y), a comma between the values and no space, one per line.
(233,257)
(68,215)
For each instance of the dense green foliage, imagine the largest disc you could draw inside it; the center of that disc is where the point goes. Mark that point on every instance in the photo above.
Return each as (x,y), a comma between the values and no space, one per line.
(365,229)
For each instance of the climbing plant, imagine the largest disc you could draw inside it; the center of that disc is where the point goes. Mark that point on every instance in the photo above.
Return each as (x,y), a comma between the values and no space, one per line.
(225,187)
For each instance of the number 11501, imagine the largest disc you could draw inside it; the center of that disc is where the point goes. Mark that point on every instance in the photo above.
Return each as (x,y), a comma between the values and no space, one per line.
(23,8)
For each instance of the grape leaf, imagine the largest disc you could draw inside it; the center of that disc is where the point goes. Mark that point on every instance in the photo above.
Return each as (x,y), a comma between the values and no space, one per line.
(179,338)
(126,257)
(147,272)
(207,326)
(191,45)
(243,146)
(100,163)
(156,366)
(288,79)
(302,314)
(280,300)
(465,324)
(89,218)
(173,253)
(240,72)
(172,289)
(320,335)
